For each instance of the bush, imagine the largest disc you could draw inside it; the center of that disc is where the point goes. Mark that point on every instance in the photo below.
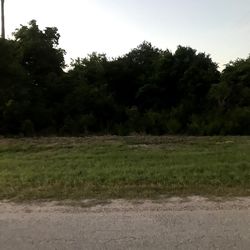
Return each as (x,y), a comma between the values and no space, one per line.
(86,123)
(28,128)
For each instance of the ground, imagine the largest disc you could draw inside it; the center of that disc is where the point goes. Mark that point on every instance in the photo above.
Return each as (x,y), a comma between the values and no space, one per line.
(175,223)
(123,167)
(133,192)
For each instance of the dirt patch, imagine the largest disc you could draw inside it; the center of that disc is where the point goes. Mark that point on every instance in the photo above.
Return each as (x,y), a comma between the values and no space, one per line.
(169,204)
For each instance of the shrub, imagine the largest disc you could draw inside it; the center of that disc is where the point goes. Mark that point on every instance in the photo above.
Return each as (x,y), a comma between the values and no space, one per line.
(28,128)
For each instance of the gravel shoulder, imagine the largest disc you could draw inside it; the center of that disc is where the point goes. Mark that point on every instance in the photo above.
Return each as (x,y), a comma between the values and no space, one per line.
(192,203)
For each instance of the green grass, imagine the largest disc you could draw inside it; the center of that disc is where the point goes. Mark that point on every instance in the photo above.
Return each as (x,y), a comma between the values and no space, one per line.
(123,167)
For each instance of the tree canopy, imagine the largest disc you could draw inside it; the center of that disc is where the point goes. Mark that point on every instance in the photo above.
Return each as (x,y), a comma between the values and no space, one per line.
(148,90)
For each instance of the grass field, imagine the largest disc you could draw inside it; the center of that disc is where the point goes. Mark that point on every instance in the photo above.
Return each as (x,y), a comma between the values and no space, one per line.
(123,167)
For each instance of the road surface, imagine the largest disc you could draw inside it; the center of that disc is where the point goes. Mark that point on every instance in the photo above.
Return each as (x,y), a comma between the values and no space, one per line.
(193,223)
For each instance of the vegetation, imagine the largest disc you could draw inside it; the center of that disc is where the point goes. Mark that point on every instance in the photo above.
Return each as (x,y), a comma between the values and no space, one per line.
(123,167)
(148,90)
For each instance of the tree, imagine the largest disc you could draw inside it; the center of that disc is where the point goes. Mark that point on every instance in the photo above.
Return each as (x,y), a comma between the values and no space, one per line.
(87,103)
(128,75)
(231,106)
(233,89)
(3,19)
(14,89)
(43,60)
(39,49)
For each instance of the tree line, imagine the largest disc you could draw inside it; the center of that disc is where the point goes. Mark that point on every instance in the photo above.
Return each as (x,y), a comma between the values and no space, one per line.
(147,90)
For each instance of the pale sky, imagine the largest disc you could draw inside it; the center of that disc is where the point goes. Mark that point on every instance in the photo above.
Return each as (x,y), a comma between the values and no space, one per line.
(220,28)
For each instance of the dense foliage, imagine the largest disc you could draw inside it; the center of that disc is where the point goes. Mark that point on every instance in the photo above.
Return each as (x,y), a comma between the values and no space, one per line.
(147,90)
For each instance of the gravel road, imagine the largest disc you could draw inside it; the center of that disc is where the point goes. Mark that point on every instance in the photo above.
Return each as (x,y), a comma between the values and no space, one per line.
(191,223)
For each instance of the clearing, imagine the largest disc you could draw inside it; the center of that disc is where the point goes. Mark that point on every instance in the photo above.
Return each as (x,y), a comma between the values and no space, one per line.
(123,167)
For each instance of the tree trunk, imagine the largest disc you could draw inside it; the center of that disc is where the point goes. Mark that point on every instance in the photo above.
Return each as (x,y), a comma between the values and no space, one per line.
(2,18)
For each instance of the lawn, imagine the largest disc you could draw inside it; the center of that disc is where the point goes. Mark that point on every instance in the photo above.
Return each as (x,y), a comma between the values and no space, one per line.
(123,167)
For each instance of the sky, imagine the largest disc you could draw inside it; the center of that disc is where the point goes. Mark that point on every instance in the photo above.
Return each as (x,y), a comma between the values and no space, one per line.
(220,28)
